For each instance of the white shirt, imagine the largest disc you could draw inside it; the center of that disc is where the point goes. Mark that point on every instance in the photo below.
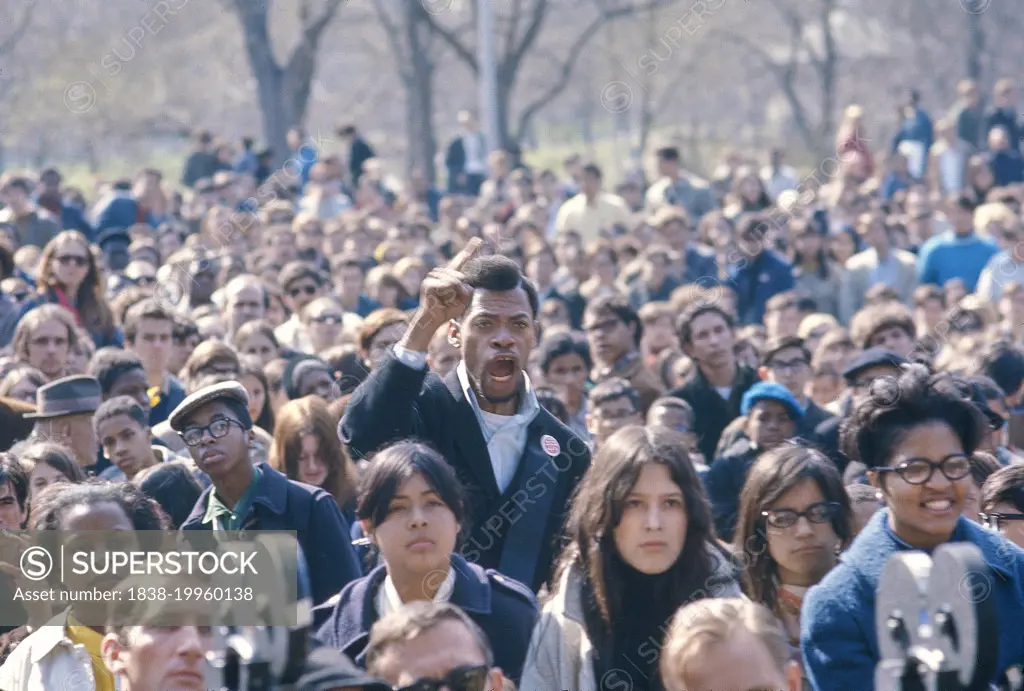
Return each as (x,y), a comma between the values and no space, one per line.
(951,170)
(473,146)
(505,435)
(388,600)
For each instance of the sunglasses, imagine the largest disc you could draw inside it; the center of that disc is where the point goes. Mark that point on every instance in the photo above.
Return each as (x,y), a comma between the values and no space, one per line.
(75,259)
(307,289)
(459,679)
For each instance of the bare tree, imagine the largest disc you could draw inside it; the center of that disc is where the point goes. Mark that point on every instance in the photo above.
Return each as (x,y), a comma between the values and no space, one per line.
(811,42)
(414,55)
(282,89)
(7,46)
(519,28)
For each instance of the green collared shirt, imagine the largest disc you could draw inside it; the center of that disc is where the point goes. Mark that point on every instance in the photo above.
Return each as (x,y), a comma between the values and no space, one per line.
(224,518)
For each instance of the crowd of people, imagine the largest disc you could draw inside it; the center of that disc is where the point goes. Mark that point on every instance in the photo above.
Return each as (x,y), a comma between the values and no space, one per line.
(531,430)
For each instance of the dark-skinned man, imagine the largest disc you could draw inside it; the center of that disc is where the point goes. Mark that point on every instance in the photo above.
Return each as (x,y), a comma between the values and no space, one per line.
(214,423)
(518,463)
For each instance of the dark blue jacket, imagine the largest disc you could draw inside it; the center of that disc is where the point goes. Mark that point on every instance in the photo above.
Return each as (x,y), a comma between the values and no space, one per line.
(837,621)
(1007,167)
(505,609)
(72,218)
(700,264)
(758,281)
(917,128)
(117,211)
(712,413)
(168,402)
(322,532)
(517,532)
(724,482)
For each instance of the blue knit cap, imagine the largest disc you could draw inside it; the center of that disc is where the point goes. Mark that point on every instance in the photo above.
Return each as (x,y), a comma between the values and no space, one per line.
(771,391)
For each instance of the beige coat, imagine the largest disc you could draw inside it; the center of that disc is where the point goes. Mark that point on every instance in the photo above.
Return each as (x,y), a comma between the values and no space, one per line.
(561,656)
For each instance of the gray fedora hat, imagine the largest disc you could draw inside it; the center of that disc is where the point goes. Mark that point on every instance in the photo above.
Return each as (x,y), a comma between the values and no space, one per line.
(75,395)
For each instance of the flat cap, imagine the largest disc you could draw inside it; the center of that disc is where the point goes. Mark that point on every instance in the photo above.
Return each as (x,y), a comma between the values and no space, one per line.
(229,390)
(872,357)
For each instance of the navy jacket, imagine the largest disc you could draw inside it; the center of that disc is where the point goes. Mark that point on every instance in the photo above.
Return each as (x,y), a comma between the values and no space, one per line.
(505,609)
(724,483)
(517,532)
(837,621)
(322,532)
(758,281)
(712,413)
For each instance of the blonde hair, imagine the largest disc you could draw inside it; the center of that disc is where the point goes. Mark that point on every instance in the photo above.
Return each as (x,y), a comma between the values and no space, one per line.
(813,321)
(709,622)
(994,212)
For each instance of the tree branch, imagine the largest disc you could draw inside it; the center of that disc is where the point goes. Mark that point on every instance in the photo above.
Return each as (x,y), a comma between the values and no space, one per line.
(449,37)
(569,64)
(757,51)
(313,29)
(513,29)
(19,31)
(530,35)
(393,31)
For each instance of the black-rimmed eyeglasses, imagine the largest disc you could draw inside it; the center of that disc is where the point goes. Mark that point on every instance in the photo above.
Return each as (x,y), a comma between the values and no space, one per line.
(918,471)
(996,520)
(782,519)
(219,428)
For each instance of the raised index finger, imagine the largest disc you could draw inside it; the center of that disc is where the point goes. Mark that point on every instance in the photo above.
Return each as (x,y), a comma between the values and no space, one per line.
(467,253)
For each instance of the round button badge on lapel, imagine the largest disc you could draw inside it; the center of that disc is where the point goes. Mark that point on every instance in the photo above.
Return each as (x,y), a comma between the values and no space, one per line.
(550,445)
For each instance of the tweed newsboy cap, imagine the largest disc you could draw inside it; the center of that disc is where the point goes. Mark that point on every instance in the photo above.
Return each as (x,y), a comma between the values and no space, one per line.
(230,390)
(75,395)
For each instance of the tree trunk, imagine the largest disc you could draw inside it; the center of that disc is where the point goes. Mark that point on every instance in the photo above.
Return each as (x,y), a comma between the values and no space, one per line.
(828,78)
(270,79)
(976,46)
(421,97)
(283,92)
(506,84)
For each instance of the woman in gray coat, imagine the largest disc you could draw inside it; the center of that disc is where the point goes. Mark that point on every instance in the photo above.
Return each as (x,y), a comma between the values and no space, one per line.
(642,546)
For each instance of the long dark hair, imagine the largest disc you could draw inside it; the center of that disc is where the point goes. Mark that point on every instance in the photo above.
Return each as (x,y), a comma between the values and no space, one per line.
(771,476)
(309,416)
(798,227)
(265,419)
(91,302)
(597,511)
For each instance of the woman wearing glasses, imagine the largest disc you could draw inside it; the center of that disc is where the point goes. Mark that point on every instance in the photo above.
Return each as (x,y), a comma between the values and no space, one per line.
(1002,503)
(70,277)
(915,434)
(794,517)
